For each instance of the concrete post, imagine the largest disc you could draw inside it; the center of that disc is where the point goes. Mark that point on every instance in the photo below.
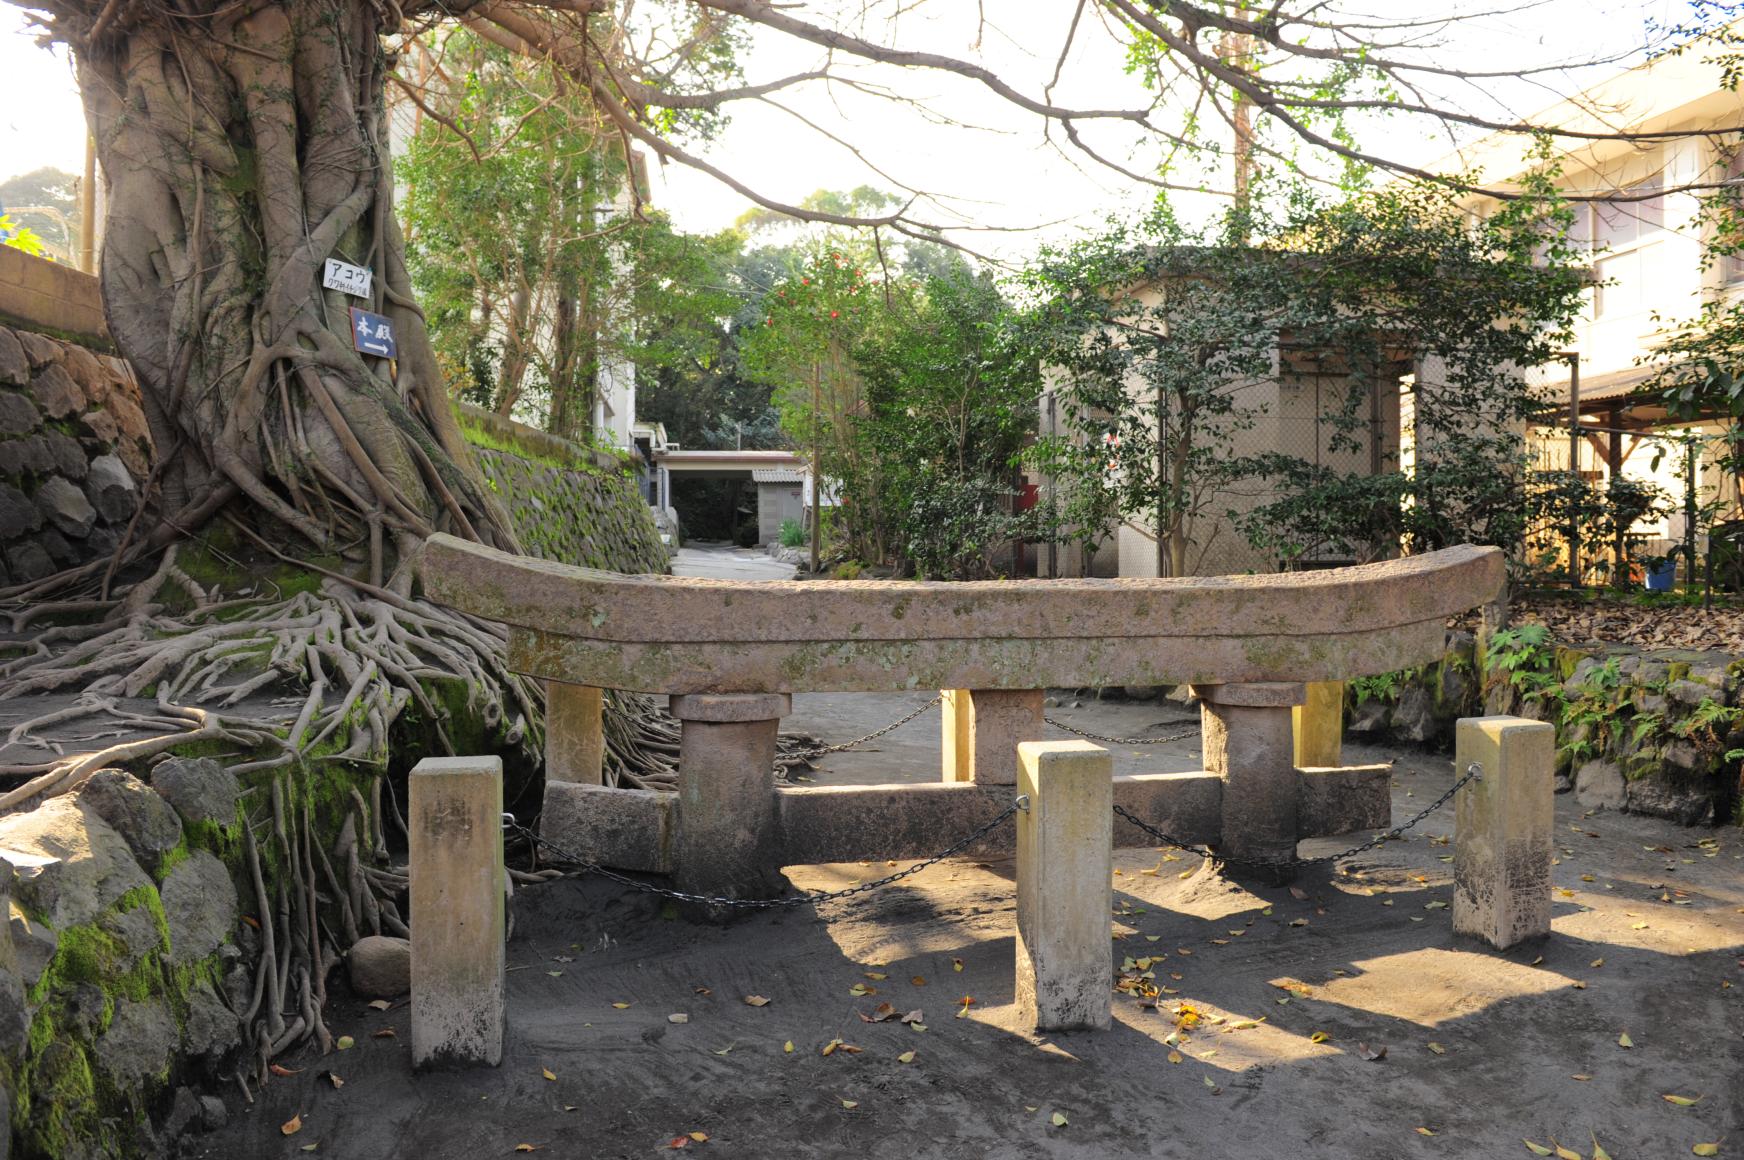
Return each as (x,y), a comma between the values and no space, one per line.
(1065,843)
(982,729)
(1502,840)
(728,836)
(1248,741)
(1319,726)
(575,739)
(457,905)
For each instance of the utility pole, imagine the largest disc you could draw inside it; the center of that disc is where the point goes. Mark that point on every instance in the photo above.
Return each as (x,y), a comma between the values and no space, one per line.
(1574,442)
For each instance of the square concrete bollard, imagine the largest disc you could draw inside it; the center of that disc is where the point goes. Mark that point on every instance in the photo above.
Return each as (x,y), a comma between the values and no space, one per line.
(575,739)
(1319,726)
(727,837)
(1065,867)
(1248,740)
(1502,837)
(982,729)
(458,991)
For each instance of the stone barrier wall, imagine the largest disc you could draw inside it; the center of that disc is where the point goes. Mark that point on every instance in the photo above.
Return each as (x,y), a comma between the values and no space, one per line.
(74,452)
(569,503)
(1657,732)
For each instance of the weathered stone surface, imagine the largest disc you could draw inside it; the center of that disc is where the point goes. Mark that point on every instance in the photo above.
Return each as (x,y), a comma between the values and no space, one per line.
(138,814)
(1318,724)
(110,489)
(1253,750)
(28,455)
(18,515)
(66,507)
(1064,867)
(101,425)
(626,829)
(137,931)
(14,1015)
(868,635)
(28,561)
(57,547)
(458,911)
(57,395)
(65,454)
(1599,785)
(14,367)
(41,348)
(91,374)
(1254,694)
(1369,717)
(184,1113)
(575,740)
(213,1113)
(198,788)
(199,903)
(17,415)
(1343,799)
(1686,803)
(1503,841)
(129,419)
(380,966)
(212,1029)
(138,1043)
(726,841)
(982,729)
(35,944)
(1413,718)
(95,867)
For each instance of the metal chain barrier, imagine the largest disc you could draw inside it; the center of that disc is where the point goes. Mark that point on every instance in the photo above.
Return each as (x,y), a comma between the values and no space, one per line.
(820,751)
(1085,733)
(1473,772)
(1021,802)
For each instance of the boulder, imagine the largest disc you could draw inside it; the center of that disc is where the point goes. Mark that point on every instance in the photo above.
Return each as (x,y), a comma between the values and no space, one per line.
(41,348)
(1685,802)
(1413,718)
(1368,717)
(198,788)
(57,395)
(380,966)
(14,367)
(138,1043)
(137,932)
(184,1113)
(101,426)
(110,488)
(18,415)
(92,865)
(199,903)
(213,1113)
(1599,785)
(27,562)
(138,814)
(65,454)
(66,507)
(28,455)
(17,514)
(212,1029)
(35,945)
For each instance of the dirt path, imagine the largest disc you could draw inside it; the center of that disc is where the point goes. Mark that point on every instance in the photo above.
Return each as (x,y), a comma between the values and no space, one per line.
(1649,932)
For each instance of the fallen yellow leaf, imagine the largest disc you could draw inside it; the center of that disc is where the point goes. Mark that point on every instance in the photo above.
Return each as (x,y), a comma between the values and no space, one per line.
(849,1103)
(548,1073)
(1060,1119)
(1566,1153)
(756,1001)
(1438,1049)
(1423,1131)
(292,1126)
(1623,1040)
(788,1047)
(1174,1057)
(621,1006)
(1536,1149)
(1706,1149)
(699,1137)
(1680,1101)
(905,1057)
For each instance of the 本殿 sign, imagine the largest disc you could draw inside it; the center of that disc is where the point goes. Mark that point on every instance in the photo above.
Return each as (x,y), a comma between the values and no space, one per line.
(343,276)
(372,334)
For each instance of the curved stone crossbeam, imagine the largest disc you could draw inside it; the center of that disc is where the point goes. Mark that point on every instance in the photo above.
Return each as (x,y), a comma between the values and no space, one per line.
(663,634)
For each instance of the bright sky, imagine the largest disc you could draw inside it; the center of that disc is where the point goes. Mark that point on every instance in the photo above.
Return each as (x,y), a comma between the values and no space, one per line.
(1001,175)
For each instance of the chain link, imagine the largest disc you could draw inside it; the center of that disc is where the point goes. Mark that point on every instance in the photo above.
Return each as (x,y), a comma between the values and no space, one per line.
(1058,724)
(808,754)
(1473,772)
(588,867)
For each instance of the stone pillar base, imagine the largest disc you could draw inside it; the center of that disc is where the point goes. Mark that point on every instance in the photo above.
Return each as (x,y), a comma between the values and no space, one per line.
(1248,740)
(575,739)
(727,839)
(982,729)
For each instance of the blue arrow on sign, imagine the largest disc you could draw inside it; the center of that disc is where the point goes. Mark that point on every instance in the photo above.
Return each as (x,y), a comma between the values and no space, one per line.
(372,334)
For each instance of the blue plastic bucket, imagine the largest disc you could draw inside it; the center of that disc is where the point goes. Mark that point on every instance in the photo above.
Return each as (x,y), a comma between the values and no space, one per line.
(1662,577)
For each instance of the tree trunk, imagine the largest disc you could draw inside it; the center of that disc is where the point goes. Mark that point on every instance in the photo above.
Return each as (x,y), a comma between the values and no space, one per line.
(244,149)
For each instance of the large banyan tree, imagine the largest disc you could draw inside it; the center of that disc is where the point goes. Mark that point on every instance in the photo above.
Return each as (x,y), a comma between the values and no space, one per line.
(247,142)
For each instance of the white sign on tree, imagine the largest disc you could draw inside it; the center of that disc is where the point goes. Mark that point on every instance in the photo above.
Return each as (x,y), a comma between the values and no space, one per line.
(348,279)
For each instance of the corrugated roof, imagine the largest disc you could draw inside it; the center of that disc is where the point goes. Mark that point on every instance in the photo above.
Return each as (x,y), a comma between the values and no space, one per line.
(777,475)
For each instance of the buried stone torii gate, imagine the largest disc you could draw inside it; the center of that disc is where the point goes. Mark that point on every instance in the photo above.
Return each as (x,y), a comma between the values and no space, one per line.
(730,654)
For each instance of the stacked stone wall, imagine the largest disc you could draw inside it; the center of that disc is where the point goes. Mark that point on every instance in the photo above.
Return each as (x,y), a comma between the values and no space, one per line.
(74,452)
(1655,732)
